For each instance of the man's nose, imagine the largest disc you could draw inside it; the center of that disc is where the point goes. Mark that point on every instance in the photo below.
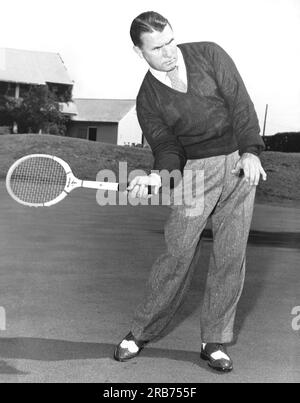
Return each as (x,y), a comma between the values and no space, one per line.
(167,52)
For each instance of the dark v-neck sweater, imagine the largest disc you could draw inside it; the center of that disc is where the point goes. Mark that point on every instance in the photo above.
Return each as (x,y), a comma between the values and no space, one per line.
(214,117)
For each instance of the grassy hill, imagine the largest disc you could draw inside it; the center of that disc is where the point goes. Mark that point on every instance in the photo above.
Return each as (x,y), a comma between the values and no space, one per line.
(282,185)
(87,158)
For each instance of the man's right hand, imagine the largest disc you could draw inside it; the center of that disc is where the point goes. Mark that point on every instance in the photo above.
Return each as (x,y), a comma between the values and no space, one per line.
(138,187)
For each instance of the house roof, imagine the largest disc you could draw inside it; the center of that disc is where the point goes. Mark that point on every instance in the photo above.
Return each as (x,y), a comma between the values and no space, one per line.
(102,110)
(31,67)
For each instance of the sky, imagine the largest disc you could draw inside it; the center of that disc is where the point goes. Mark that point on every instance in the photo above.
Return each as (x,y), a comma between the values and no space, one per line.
(92,37)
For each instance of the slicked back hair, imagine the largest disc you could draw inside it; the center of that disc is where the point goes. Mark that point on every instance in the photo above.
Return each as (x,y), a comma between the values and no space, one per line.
(149,21)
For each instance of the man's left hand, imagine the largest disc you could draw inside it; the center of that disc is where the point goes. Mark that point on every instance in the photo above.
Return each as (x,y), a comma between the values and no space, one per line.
(251,165)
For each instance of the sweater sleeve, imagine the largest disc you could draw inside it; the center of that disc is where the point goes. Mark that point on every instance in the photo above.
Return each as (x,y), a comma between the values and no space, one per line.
(233,90)
(167,151)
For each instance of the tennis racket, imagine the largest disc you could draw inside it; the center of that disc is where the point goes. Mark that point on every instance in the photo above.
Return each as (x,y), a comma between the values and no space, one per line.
(41,180)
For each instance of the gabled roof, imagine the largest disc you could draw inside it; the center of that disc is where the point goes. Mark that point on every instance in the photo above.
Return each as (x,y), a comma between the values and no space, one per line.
(102,110)
(30,67)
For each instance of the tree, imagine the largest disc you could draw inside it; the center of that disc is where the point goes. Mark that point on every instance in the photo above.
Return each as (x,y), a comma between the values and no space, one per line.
(37,111)
(8,107)
(284,142)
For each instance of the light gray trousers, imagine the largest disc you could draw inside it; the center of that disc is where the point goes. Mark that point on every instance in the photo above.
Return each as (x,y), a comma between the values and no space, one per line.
(229,200)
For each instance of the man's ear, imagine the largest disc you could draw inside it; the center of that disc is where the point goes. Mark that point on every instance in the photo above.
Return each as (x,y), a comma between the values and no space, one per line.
(138,51)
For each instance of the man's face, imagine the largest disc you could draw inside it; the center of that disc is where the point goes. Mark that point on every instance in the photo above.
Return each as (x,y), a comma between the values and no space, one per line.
(159,49)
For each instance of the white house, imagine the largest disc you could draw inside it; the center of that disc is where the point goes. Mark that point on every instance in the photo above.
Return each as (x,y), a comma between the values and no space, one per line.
(20,69)
(107,120)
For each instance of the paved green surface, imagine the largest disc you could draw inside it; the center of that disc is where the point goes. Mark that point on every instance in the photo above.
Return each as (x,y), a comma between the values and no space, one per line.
(72,274)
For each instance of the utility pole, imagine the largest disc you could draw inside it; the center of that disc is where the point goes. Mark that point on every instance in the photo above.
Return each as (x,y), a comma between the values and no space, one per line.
(265,121)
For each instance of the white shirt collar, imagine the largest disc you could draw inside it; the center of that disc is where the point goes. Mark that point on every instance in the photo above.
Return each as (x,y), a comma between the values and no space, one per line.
(162,75)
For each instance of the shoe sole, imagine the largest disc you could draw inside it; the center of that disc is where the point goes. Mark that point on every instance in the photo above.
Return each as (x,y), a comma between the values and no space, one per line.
(126,359)
(223,370)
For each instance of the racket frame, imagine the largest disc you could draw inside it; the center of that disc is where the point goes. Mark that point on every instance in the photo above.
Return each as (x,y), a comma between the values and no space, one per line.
(71,181)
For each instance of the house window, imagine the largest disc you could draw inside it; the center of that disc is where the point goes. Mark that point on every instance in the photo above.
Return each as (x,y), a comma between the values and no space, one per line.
(24,89)
(92,133)
(11,90)
(61,92)
(8,89)
(3,88)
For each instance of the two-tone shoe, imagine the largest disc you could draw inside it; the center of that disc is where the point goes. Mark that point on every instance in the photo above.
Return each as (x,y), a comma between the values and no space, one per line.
(129,348)
(217,357)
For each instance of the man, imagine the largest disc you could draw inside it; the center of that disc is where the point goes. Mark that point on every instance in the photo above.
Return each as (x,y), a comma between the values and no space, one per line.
(196,115)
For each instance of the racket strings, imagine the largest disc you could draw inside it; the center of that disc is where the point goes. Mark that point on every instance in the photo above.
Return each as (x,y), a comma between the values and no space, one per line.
(38,180)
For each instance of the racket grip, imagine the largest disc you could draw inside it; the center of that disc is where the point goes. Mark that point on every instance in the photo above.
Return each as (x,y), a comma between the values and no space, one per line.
(123,187)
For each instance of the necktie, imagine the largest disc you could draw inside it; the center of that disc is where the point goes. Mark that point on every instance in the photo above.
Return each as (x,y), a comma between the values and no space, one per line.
(176,81)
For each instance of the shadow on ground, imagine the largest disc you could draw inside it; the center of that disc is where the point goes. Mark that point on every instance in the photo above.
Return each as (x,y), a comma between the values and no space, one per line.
(27,348)
(6,369)
(289,240)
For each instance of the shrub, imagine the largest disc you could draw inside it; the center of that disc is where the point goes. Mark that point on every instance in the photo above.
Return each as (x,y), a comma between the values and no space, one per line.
(285,142)
(37,111)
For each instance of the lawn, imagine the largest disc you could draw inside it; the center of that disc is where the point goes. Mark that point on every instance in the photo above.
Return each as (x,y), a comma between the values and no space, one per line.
(88,158)
(282,185)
